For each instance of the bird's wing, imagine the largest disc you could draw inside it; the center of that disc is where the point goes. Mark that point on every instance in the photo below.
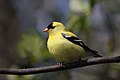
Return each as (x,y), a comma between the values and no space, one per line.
(74,39)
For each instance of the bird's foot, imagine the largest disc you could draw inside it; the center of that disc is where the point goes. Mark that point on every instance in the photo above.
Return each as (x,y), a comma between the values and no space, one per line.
(80,59)
(60,64)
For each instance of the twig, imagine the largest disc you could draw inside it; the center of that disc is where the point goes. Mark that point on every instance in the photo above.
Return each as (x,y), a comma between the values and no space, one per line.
(53,68)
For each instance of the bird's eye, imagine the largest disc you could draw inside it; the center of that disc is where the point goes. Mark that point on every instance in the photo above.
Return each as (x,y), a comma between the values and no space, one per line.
(52,27)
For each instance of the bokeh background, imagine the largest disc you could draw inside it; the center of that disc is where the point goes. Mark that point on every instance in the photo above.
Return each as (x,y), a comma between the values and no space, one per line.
(23,43)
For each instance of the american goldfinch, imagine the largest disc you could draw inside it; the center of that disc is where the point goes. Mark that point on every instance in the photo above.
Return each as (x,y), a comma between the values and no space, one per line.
(64,45)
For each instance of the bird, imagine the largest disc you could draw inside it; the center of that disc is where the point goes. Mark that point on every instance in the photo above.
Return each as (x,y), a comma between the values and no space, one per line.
(64,45)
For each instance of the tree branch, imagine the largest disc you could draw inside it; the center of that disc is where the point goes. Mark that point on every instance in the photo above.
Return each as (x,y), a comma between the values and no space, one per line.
(52,68)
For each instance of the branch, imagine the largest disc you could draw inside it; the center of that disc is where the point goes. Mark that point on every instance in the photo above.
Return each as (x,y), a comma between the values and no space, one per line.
(52,68)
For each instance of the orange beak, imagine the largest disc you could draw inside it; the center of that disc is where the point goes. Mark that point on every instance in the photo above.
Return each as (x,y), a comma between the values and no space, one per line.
(45,30)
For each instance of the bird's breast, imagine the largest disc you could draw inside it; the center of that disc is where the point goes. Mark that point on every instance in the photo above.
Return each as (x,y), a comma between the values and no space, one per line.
(64,50)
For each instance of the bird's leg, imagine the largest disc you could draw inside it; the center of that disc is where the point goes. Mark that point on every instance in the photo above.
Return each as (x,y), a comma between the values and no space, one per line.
(80,59)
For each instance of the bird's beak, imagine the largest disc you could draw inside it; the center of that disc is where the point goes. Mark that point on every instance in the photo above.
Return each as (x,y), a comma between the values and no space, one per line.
(45,30)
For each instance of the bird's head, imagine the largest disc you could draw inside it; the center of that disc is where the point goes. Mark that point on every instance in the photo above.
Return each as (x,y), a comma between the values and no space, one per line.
(54,28)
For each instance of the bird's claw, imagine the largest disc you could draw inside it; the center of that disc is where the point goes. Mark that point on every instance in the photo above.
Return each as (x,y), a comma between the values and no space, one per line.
(60,64)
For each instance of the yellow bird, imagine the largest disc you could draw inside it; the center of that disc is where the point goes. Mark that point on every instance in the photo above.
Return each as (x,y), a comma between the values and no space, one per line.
(64,45)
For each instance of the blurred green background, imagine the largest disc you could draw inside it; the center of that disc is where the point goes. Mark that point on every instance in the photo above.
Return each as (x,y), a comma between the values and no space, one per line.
(23,43)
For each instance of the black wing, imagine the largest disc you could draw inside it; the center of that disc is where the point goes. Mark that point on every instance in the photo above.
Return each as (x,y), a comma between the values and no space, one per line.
(80,43)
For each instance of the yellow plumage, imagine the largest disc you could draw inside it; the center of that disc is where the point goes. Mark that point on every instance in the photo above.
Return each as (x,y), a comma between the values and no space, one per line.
(62,48)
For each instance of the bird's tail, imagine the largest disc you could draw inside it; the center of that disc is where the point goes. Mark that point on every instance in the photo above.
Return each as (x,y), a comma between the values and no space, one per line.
(95,53)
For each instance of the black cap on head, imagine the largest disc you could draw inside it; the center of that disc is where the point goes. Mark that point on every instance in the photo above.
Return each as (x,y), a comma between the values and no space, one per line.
(50,26)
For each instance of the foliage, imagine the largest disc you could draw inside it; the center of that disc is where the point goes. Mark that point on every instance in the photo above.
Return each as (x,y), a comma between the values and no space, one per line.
(32,47)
